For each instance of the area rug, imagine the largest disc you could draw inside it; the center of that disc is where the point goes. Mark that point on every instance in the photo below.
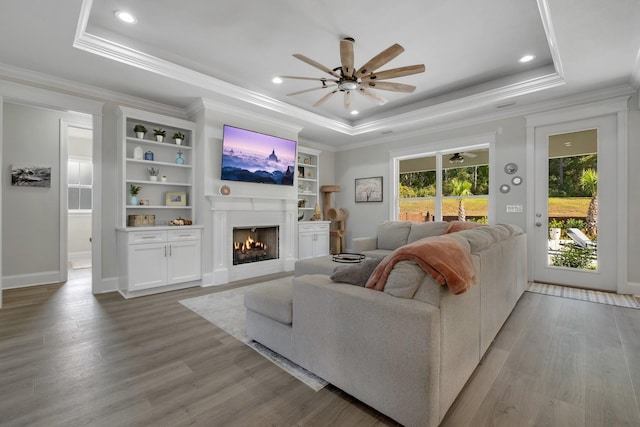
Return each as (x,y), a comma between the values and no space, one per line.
(226,310)
(609,298)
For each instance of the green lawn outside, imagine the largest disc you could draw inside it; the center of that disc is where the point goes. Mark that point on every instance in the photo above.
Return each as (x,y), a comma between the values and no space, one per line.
(558,206)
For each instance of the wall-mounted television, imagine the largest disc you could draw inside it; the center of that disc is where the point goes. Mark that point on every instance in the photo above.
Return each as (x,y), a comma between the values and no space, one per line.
(250,156)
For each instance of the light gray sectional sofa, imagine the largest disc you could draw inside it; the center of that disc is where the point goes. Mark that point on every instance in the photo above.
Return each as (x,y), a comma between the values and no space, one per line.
(408,350)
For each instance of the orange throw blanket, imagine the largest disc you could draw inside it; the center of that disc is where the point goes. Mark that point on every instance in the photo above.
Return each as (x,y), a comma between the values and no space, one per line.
(446,259)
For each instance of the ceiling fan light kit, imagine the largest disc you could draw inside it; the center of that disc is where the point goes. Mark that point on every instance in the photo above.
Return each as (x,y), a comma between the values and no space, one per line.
(346,79)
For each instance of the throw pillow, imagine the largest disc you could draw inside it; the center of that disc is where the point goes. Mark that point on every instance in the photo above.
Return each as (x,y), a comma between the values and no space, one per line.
(455,226)
(404,279)
(356,274)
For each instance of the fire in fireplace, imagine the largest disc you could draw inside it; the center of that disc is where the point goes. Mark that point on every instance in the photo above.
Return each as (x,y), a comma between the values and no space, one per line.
(253,244)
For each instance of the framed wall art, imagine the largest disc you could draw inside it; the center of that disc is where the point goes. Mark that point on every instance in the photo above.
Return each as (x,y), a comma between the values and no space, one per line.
(369,189)
(30,176)
(175,198)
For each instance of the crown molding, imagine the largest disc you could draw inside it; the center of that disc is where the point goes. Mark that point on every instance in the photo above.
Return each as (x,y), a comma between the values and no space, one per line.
(32,78)
(520,111)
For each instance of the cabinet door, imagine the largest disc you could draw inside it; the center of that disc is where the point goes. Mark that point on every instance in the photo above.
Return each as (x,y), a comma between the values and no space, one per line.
(147,266)
(183,261)
(305,244)
(321,243)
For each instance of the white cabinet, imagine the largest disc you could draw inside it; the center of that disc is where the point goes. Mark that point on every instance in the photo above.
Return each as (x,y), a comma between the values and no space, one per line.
(313,239)
(158,260)
(169,195)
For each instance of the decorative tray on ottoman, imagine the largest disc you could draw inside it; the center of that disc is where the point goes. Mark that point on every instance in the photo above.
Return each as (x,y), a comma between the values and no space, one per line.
(348,258)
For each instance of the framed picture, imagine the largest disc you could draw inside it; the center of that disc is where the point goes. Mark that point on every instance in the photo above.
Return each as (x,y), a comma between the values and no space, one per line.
(175,198)
(30,176)
(369,189)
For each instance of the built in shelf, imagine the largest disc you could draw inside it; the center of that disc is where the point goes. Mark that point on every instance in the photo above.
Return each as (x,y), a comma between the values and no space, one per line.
(153,162)
(157,144)
(166,183)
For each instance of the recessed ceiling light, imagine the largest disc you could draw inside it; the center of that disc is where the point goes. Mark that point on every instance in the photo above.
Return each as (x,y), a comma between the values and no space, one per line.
(276,80)
(355,112)
(526,58)
(125,17)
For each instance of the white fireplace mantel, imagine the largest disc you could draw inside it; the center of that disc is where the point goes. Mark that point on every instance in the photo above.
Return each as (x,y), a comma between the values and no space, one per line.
(247,211)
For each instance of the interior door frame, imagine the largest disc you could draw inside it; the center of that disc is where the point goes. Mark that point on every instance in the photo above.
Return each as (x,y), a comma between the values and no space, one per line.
(65,124)
(618,107)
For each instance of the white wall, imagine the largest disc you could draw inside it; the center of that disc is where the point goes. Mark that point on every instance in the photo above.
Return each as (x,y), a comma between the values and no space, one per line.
(31,215)
(634,197)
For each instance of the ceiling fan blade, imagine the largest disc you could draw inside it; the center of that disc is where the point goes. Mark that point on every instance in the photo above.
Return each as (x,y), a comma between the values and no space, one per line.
(395,87)
(308,90)
(469,155)
(346,57)
(315,64)
(380,59)
(321,79)
(374,97)
(395,72)
(324,98)
(347,100)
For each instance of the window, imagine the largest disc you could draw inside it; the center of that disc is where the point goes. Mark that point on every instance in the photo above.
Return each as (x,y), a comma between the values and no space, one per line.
(80,184)
(447,185)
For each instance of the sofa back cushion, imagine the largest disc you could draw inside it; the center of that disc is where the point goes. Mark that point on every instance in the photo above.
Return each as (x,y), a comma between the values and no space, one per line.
(420,230)
(393,234)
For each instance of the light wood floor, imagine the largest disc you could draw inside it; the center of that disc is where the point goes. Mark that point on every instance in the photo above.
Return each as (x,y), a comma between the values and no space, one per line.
(68,358)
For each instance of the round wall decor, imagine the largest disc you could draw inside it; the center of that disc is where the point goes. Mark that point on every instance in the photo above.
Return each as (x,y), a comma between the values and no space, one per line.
(511,168)
(225,190)
(504,188)
(516,180)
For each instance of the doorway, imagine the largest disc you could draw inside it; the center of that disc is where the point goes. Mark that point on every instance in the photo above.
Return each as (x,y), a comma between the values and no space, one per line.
(78,208)
(575,199)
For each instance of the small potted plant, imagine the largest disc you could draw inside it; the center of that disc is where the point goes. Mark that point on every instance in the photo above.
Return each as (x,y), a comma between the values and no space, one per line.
(160,134)
(178,137)
(133,191)
(555,229)
(139,130)
(153,173)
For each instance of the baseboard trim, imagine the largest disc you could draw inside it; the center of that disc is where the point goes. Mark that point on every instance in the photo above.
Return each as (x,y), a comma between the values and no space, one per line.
(110,284)
(35,279)
(633,288)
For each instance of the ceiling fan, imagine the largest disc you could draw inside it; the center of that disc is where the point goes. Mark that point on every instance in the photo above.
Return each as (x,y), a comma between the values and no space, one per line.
(347,79)
(459,158)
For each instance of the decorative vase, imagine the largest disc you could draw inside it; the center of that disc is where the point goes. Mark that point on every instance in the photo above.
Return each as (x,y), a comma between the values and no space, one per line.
(148,155)
(133,201)
(163,179)
(153,178)
(178,141)
(179,159)
(140,135)
(160,138)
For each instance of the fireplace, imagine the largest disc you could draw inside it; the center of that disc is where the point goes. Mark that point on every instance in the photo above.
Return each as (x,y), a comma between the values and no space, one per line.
(255,244)
(237,212)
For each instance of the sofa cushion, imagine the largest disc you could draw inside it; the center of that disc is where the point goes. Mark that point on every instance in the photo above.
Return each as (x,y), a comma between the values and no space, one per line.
(404,279)
(393,234)
(477,238)
(420,230)
(273,300)
(498,232)
(356,274)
